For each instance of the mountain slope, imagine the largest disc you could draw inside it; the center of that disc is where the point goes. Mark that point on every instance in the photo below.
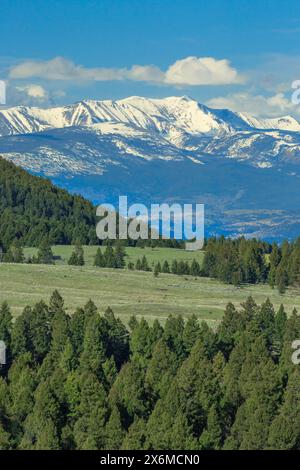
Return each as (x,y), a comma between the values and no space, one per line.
(32,208)
(246,170)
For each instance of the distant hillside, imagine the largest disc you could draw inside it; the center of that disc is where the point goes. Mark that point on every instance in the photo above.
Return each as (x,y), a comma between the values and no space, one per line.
(32,208)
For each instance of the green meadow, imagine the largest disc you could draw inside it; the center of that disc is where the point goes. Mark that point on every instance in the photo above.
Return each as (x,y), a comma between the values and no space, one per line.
(153,255)
(130,292)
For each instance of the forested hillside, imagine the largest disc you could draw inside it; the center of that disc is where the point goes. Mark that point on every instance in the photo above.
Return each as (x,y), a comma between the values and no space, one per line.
(32,209)
(237,261)
(88,382)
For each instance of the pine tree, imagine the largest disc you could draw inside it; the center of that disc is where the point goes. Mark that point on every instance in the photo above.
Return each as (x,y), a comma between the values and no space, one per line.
(56,303)
(47,438)
(157,270)
(59,331)
(117,338)
(4,438)
(140,342)
(211,438)
(114,431)
(45,254)
(282,279)
(181,436)
(15,253)
(174,267)
(231,324)
(77,256)
(284,431)
(144,264)
(195,268)
(136,436)
(89,428)
(160,370)
(109,256)
(279,329)
(165,267)
(128,393)
(138,265)
(40,426)
(99,260)
(119,256)
(20,333)
(191,332)
(173,335)
(5,324)
(93,354)
(22,383)
(39,331)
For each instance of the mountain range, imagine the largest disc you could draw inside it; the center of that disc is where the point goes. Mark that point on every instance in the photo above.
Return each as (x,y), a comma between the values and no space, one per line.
(244,169)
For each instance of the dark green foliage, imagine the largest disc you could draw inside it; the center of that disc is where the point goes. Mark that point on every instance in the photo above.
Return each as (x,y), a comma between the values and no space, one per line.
(235,261)
(85,382)
(113,257)
(165,267)
(251,261)
(77,256)
(99,259)
(32,208)
(14,253)
(45,255)
(157,270)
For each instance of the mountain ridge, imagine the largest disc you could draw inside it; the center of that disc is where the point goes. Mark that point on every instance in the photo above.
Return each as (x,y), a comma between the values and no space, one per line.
(172,149)
(144,112)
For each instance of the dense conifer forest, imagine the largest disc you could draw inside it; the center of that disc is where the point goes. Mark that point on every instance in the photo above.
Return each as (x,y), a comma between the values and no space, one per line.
(87,381)
(237,261)
(32,209)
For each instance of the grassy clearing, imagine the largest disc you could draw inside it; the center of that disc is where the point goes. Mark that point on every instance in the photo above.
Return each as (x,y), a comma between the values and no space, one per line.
(130,292)
(153,255)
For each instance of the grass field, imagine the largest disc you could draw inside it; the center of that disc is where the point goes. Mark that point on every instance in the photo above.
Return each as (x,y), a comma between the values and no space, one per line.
(153,254)
(130,292)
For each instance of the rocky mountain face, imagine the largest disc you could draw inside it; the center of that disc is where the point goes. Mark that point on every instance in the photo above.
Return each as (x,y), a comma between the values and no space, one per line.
(246,170)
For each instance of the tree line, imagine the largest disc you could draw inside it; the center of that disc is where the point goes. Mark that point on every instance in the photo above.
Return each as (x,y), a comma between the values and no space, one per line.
(237,261)
(87,381)
(233,261)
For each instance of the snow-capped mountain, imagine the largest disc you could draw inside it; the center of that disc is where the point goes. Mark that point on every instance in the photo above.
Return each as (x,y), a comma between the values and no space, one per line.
(171,149)
(161,115)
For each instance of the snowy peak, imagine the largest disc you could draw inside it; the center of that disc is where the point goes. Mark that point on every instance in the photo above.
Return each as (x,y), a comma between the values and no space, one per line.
(284,123)
(169,116)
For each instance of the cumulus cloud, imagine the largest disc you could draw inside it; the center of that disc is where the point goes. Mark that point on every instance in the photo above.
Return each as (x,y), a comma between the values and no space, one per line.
(191,71)
(257,105)
(202,71)
(32,95)
(34,91)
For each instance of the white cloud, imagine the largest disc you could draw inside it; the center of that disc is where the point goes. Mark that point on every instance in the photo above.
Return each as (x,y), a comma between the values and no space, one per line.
(31,95)
(257,105)
(202,71)
(148,73)
(62,69)
(34,91)
(193,71)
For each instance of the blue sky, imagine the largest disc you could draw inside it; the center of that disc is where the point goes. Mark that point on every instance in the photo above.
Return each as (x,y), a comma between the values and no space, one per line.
(242,54)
